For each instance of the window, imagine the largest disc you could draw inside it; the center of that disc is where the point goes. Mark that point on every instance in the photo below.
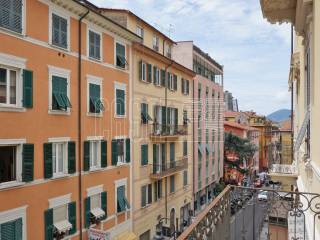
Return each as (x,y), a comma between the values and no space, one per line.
(60,99)
(185,148)
(146,195)
(155,42)
(144,154)
(145,117)
(8,86)
(59,158)
(172,184)
(185,86)
(120,151)
(94,45)
(185,117)
(13,224)
(11,15)
(95,205)
(172,81)
(60,218)
(140,32)
(145,236)
(120,100)
(95,156)
(59,34)
(120,55)
(16,162)
(122,202)
(156,76)
(185,178)
(157,190)
(95,102)
(169,50)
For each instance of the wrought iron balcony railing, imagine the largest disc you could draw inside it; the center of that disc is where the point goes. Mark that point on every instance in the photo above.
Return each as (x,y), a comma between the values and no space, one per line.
(283,169)
(158,131)
(168,168)
(251,213)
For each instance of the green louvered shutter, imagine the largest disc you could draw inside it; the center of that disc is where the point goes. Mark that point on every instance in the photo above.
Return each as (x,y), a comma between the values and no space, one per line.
(27,162)
(86,156)
(163,78)
(128,150)
(47,157)
(182,85)
(176,118)
(149,73)
(120,102)
(163,156)
(104,153)
(9,230)
(175,82)
(140,70)
(27,88)
(104,203)
(72,210)
(155,75)
(154,158)
(48,224)
(71,157)
(18,229)
(87,212)
(187,86)
(114,151)
(164,120)
(168,80)
(144,154)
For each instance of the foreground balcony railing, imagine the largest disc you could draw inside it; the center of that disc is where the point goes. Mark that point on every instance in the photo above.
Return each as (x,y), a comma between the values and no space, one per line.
(283,169)
(161,131)
(251,214)
(168,168)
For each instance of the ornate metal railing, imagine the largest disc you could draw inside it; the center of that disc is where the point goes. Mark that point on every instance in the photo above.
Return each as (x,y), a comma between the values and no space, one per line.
(168,129)
(251,214)
(168,168)
(283,168)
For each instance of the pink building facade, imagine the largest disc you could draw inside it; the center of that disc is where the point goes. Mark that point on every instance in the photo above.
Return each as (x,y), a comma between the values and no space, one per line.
(208,109)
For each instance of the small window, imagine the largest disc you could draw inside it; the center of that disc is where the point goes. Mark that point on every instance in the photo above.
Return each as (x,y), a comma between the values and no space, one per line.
(120,55)
(8,164)
(172,184)
(122,202)
(59,158)
(94,45)
(59,31)
(8,86)
(60,98)
(140,32)
(95,102)
(95,154)
(146,195)
(11,15)
(155,42)
(120,102)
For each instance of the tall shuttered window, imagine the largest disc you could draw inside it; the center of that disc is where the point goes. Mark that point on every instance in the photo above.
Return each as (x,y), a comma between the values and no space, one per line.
(120,55)
(11,15)
(185,178)
(120,102)
(172,184)
(144,154)
(95,101)
(60,98)
(59,31)
(11,230)
(94,45)
(146,195)
(145,117)
(122,202)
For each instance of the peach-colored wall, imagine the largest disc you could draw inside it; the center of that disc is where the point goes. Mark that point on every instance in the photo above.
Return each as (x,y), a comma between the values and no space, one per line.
(36,125)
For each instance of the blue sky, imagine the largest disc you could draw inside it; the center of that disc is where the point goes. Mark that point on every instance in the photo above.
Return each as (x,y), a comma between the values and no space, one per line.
(255,53)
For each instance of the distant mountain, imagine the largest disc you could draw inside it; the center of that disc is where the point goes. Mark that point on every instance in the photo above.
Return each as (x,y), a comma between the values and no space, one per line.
(280,115)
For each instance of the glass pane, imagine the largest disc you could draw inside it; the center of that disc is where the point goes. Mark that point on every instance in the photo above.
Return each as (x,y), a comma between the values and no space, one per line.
(13,86)
(60,213)
(54,165)
(60,158)
(95,201)
(94,160)
(7,164)
(3,85)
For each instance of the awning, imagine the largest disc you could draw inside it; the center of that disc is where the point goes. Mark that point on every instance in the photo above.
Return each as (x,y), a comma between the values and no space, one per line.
(200,149)
(97,212)
(127,236)
(208,148)
(62,226)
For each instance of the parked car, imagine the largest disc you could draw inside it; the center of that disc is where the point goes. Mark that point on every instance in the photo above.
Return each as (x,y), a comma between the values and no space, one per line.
(263,196)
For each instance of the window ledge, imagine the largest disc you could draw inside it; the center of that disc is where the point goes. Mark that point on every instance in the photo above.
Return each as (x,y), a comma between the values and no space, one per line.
(99,115)
(120,116)
(96,169)
(59,176)
(95,59)
(122,164)
(13,32)
(10,108)
(60,48)
(11,184)
(59,112)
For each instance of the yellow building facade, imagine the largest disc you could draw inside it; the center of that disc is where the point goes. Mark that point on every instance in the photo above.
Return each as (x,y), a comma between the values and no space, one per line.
(161,133)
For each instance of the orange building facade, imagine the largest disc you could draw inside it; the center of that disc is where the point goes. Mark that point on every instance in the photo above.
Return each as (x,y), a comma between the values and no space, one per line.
(64,133)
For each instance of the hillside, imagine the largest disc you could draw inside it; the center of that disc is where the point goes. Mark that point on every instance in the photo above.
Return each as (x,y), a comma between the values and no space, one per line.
(279,115)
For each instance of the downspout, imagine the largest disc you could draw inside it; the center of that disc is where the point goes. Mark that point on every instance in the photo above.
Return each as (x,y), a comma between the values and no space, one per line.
(292,154)
(80,123)
(166,122)
(193,143)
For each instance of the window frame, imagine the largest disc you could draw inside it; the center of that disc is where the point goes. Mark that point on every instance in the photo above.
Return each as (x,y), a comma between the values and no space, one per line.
(15,214)
(91,29)
(158,77)
(144,72)
(120,86)
(97,81)
(18,92)
(60,201)
(65,159)
(115,54)
(141,30)
(118,183)
(98,166)
(18,143)
(63,14)
(147,149)
(124,151)
(59,72)
(155,43)
(23,22)
(147,203)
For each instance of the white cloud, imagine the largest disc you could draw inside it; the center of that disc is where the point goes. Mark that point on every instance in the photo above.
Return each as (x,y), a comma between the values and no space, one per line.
(255,53)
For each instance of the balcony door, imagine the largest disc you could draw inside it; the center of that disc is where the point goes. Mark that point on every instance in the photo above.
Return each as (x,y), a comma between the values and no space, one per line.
(159,157)
(172,155)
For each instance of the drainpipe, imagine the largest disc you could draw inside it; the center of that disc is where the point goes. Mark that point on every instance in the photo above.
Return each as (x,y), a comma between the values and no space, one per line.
(79,122)
(292,154)
(193,143)
(166,106)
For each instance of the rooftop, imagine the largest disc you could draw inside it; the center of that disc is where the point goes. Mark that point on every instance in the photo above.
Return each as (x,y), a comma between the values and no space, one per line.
(207,57)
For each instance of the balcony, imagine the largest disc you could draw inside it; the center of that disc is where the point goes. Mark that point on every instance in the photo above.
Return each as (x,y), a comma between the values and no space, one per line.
(160,132)
(283,169)
(160,171)
(250,214)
